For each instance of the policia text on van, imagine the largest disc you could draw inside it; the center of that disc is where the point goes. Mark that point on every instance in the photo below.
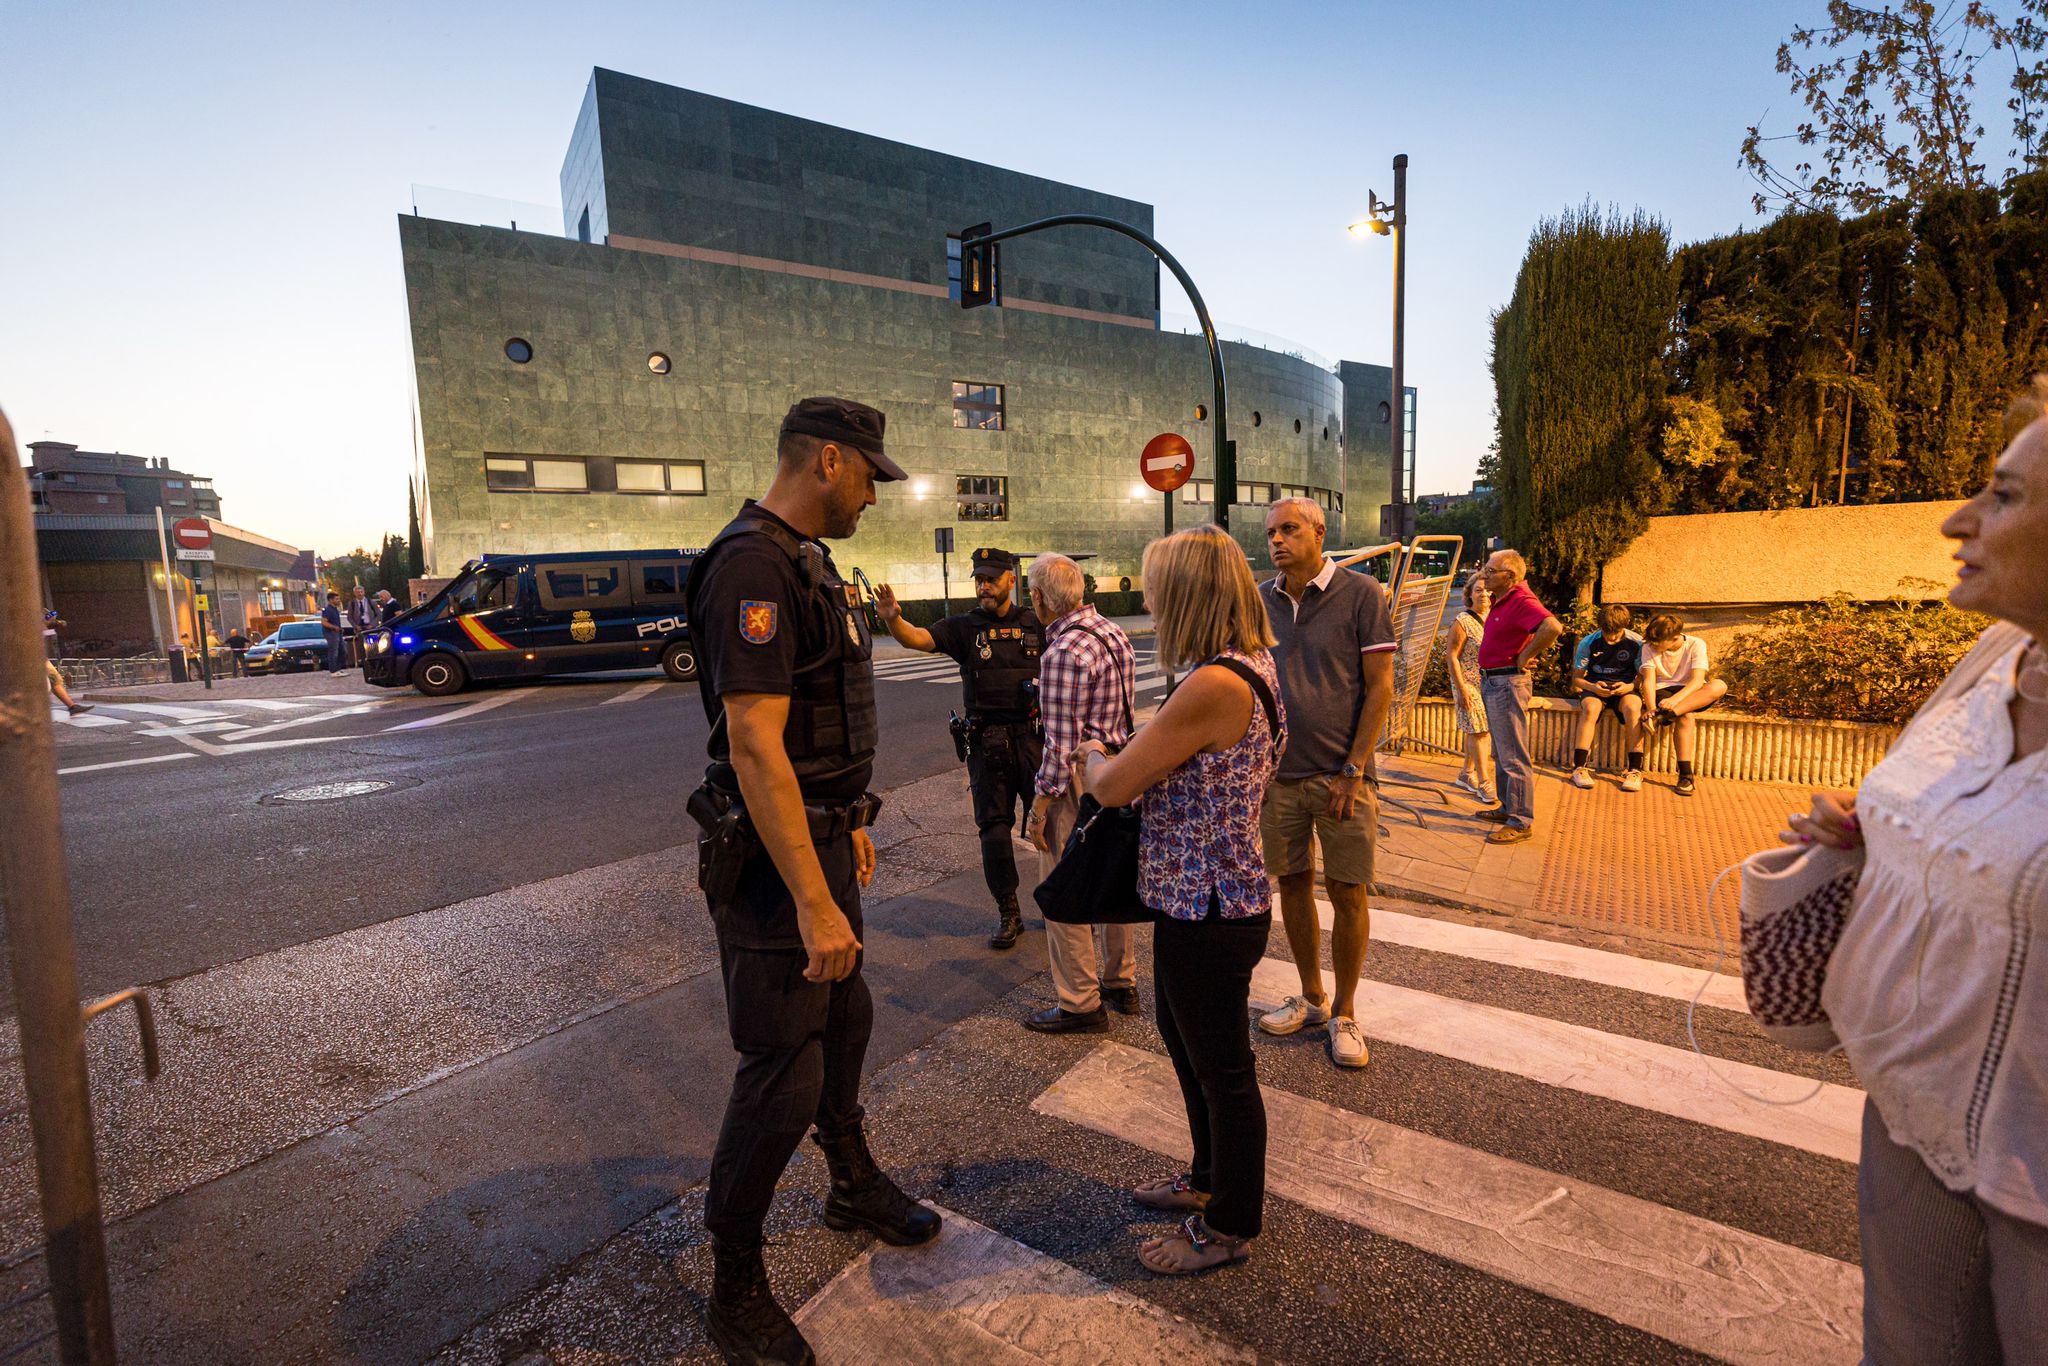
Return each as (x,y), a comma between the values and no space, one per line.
(522,616)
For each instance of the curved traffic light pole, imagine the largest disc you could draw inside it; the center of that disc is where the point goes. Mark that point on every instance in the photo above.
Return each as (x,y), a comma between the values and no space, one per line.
(1225,469)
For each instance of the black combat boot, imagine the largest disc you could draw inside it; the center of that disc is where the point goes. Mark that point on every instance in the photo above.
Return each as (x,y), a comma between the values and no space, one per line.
(1012,924)
(863,1196)
(746,1323)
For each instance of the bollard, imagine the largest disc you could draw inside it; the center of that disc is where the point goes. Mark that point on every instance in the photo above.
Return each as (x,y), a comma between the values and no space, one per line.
(37,899)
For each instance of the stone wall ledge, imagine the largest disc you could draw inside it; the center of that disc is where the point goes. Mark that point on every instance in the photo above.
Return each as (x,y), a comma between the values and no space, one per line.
(1734,745)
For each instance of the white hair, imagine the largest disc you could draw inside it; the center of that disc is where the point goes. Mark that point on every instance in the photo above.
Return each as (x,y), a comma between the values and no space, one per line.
(1311,511)
(1512,561)
(1060,581)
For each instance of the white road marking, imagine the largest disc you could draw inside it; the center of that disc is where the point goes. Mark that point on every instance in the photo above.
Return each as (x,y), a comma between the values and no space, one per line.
(635,693)
(83,721)
(1646,975)
(270,704)
(128,763)
(199,728)
(1649,1076)
(317,717)
(1702,1285)
(481,705)
(973,1295)
(166,709)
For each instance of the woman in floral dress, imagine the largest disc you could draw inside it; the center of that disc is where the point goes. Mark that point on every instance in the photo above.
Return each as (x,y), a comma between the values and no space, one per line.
(1463,658)
(1202,766)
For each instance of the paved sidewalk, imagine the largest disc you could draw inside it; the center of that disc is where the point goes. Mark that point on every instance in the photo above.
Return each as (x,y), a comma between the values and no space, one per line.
(1634,863)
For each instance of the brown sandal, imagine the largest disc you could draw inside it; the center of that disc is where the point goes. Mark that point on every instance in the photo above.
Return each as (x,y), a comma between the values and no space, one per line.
(1172,1193)
(1193,1247)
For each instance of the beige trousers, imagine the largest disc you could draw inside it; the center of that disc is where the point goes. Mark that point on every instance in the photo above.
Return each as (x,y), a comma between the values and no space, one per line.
(1075,950)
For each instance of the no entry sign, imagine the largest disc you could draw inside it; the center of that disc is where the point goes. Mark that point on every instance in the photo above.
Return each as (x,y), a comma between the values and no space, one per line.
(1168,461)
(192,533)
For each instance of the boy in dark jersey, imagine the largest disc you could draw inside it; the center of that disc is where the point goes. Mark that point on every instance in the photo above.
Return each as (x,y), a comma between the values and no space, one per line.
(1610,669)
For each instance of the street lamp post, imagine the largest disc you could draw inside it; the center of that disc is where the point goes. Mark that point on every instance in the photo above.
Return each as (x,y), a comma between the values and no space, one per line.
(1392,219)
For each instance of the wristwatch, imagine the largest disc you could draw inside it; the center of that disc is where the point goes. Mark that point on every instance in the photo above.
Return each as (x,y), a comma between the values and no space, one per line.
(1351,771)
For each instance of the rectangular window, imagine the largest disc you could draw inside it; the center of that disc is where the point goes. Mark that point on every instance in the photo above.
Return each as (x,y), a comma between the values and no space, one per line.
(981,498)
(1294,491)
(658,583)
(536,474)
(1198,491)
(270,600)
(660,476)
(174,483)
(1257,493)
(978,407)
(585,586)
(1323,496)
(953,270)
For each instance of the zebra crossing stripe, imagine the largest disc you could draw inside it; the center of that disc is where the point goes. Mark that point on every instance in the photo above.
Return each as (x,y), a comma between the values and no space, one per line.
(83,721)
(1699,1284)
(1647,975)
(973,1295)
(1650,1076)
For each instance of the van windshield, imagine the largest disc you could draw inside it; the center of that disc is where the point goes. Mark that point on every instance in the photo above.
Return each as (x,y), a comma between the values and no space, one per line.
(487,590)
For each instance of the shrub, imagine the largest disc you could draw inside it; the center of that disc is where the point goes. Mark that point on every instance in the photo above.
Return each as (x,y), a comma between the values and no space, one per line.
(1839,661)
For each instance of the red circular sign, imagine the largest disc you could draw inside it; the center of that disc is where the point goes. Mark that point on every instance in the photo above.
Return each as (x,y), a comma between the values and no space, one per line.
(1168,461)
(191,533)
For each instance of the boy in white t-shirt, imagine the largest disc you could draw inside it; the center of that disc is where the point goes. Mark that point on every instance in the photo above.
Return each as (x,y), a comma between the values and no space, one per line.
(1678,673)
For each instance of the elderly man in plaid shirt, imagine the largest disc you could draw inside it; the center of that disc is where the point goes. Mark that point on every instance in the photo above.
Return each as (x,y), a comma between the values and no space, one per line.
(1087,679)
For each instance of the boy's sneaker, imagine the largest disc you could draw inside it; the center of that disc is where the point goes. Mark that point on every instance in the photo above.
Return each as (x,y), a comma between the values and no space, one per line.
(1347,1043)
(80,708)
(1686,786)
(1632,781)
(1582,776)
(1295,1014)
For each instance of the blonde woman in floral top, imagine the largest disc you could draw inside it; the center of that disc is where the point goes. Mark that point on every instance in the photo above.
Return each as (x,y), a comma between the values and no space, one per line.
(1202,766)
(1938,988)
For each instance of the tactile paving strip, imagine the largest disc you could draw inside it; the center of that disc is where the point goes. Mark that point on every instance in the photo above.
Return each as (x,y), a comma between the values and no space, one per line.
(1646,860)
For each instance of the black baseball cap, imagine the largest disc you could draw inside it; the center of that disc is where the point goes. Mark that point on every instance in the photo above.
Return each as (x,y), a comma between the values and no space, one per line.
(993,562)
(848,423)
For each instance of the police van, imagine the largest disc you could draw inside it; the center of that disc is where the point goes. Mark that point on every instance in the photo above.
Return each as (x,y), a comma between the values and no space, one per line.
(525,616)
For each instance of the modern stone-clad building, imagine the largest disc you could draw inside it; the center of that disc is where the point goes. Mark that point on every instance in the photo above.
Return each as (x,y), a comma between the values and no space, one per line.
(621,385)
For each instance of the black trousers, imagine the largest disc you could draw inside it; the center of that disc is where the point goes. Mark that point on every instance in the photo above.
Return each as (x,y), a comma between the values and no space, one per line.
(1002,762)
(1202,979)
(801,1045)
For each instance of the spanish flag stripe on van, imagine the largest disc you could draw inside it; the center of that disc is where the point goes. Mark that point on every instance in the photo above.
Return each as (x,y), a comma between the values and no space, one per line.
(481,635)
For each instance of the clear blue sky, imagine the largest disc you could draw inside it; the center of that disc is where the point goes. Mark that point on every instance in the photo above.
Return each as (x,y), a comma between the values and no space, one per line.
(201,259)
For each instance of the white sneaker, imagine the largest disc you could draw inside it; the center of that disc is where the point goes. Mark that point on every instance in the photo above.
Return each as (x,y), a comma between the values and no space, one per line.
(1468,785)
(1347,1043)
(1632,781)
(1582,776)
(1486,795)
(1295,1014)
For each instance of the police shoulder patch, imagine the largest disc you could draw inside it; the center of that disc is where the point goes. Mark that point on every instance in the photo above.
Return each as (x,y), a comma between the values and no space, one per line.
(757,621)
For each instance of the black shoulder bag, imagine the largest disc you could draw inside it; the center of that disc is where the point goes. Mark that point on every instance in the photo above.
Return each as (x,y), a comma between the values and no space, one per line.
(1096,880)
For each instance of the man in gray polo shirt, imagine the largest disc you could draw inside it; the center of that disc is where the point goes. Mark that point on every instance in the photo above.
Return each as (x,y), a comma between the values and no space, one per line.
(1335,651)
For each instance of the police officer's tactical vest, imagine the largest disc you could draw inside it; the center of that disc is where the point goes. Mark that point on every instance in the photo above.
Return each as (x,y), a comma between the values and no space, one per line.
(832,725)
(1002,658)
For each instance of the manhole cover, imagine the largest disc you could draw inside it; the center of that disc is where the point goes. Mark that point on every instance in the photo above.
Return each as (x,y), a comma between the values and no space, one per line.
(334,792)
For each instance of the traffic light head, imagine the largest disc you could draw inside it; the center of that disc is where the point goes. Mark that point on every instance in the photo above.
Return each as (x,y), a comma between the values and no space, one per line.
(979,266)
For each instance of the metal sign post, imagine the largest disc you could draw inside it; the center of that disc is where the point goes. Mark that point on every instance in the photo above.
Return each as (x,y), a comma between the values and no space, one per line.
(42,956)
(942,541)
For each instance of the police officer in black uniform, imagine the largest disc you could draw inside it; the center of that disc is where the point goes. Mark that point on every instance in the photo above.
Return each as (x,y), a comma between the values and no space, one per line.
(997,645)
(789,691)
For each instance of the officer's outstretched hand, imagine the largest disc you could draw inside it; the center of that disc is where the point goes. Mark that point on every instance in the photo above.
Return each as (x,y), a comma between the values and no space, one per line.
(885,602)
(863,857)
(829,938)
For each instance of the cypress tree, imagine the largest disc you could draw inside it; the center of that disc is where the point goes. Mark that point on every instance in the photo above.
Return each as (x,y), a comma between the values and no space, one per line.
(415,552)
(1579,373)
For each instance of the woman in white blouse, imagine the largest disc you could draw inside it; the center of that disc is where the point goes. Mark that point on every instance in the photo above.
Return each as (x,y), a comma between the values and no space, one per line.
(1939,986)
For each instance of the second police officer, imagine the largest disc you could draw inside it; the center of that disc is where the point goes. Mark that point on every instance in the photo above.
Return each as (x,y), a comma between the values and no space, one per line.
(789,690)
(997,645)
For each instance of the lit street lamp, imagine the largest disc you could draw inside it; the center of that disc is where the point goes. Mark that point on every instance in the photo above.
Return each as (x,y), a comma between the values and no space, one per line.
(1391,219)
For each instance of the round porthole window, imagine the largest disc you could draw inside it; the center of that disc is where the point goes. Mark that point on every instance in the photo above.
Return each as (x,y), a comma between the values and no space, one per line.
(1201,412)
(1386,412)
(658,363)
(1256,419)
(1326,433)
(1297,426)
(519,350)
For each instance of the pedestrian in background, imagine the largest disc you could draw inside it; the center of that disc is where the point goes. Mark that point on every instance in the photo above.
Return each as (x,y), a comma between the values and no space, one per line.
(361,617)
(1203,765)
(238,649)
(1087,681)
(1518,628)
(1335,656)
(1462,659)
(1610,673)
(1680,688)
(334,625)
(388,607)
(1938,988)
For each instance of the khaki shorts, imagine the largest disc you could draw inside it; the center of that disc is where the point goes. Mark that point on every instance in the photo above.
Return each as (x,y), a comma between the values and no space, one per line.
(1294,811)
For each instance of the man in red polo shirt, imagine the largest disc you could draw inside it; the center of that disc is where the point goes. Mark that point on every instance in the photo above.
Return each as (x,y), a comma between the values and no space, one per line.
(1517,629)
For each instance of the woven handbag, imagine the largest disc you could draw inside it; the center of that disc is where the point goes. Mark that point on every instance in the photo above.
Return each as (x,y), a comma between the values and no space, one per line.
(1795,901)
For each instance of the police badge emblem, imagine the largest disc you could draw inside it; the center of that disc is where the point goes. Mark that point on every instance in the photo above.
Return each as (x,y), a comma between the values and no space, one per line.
(853,630)
(757,621)
(582,629)
(982,646)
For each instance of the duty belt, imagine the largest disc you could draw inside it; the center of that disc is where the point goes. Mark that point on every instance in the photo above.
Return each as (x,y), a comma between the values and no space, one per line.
(1504,671)
(708,805)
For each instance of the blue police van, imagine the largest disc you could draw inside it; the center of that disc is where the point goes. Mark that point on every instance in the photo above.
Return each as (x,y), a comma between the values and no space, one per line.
(526,616)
